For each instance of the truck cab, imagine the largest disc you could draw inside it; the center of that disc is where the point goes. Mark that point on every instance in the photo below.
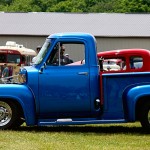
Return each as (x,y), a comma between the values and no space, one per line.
(124,60)
(70,90)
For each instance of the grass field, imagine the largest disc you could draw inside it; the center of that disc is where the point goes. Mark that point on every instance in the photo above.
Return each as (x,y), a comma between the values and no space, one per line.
(88,137)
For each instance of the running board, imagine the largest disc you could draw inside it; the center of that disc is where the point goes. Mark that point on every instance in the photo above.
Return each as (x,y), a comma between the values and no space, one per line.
(76,121)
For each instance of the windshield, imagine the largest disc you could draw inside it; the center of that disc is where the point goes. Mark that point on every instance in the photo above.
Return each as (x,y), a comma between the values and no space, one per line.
(2,58)
(11,58)
(43,52)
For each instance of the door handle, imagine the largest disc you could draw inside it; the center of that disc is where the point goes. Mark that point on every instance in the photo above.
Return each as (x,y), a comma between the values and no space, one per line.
(83,73)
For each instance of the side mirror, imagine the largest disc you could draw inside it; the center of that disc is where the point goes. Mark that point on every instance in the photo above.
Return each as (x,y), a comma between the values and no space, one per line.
(44,65)
(42,68)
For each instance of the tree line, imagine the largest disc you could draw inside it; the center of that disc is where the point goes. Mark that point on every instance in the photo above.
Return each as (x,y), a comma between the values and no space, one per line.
(81,6)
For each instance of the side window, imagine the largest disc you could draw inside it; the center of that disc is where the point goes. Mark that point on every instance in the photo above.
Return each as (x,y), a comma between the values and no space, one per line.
(136,62)
(13,58)
(2,58)
(113,64)
(67,54)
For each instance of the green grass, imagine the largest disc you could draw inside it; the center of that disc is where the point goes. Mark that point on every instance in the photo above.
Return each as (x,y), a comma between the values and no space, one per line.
(88,137)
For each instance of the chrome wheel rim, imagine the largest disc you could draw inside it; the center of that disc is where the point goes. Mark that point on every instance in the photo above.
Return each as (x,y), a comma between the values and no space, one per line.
(5,113)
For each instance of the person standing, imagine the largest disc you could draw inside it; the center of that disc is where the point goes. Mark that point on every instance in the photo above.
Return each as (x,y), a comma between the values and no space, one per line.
(5,72)
(38,49)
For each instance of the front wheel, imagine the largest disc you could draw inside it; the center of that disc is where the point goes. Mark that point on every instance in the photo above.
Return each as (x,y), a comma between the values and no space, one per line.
(145,115)
(8,114)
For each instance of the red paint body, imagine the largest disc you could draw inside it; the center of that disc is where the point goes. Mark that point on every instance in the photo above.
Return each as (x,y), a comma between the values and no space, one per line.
(141,56)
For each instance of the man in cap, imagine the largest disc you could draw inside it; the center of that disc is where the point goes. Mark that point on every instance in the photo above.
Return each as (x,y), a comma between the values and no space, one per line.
(38,49)
(5,72)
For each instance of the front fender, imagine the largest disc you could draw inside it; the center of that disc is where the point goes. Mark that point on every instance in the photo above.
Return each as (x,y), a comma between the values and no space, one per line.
(130,96)
(24,96)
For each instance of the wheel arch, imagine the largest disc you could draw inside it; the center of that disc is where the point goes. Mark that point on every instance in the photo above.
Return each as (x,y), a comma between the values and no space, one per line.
(23,98)
(140,102)
(16,102)
(133,98)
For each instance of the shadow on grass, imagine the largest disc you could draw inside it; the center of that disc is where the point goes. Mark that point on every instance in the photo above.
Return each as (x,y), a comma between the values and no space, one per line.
(87,129)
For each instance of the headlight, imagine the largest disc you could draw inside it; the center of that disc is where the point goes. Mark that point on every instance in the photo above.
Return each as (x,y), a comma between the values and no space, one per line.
(15,79)
(22,75)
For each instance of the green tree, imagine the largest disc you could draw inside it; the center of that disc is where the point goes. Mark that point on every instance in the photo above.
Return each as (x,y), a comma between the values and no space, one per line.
(5,2)
(108,6)
(18,6)
(69,6)
(135,6)
(105,6)
(45,4)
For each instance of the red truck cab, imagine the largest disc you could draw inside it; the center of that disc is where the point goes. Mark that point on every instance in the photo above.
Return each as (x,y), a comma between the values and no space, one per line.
(125,60)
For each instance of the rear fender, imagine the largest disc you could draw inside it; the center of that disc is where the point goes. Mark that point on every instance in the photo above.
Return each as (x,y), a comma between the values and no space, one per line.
(24,96)
(131,96)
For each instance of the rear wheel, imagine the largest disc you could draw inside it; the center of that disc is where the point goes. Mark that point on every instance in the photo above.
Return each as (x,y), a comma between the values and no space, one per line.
(145,115)
(8,115)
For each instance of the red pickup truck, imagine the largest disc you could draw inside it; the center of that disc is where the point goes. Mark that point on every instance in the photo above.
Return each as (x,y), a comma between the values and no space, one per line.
(124,60)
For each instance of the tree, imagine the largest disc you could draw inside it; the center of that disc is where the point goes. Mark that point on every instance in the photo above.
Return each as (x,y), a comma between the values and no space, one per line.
(105,6)
(108,6)
(5,2)
(69,6)
(135,6)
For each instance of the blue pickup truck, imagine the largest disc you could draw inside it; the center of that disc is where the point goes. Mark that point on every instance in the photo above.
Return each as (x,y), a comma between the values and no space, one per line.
(55,91)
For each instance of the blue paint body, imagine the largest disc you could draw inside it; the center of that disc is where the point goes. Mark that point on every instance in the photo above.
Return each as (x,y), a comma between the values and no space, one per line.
(59,95)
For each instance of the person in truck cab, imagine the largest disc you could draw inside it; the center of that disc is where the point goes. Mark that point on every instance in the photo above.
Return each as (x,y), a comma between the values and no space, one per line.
(70,60)
(63,59)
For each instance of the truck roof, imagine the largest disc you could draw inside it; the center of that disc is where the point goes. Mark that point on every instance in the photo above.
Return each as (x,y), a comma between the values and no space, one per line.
(132,60)
(70,34)
(124,52)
